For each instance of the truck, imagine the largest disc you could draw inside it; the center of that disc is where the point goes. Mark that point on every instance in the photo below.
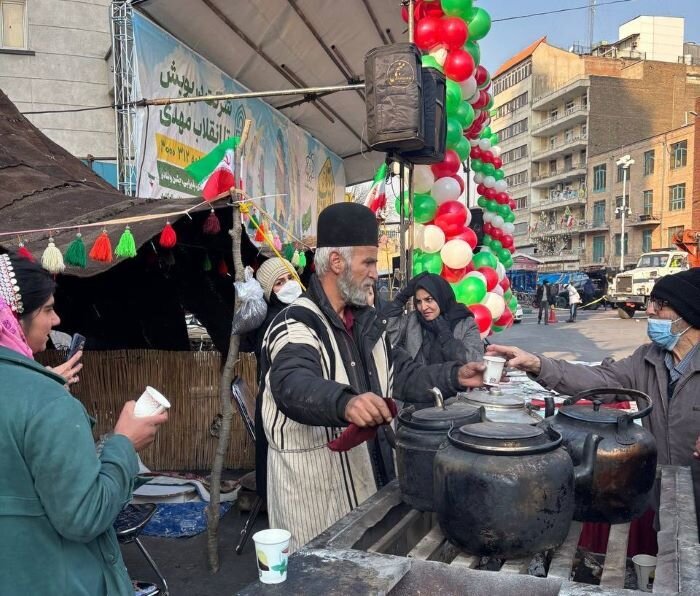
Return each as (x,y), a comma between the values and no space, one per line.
(631,289)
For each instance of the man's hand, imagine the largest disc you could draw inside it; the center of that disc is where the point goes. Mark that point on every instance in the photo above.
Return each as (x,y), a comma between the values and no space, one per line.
(69,369)
(367,409)
(141,431)
(471,374)
(696,453)
(516,358)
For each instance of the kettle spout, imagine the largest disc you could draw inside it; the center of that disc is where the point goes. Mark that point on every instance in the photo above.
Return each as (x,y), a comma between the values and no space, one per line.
(549,409)
(584,472)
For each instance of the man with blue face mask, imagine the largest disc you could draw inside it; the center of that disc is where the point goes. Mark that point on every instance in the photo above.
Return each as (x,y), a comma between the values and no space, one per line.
(667,369)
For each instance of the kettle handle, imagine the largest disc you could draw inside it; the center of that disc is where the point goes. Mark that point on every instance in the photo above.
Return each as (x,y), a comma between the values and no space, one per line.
(619,392)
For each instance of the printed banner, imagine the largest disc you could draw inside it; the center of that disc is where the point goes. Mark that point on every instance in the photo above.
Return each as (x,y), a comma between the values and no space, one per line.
(278,158)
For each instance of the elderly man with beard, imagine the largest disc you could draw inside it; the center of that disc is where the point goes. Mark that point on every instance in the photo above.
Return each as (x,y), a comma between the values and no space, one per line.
(327,364)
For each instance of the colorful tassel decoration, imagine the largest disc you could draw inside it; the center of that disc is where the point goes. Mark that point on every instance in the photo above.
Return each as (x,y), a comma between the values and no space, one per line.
(277,243)
(295,258)
(288,251)
(102,249)
(260,233)
(302,261)
(206,266)
(23,252)
(76,253)
(52,259)
(222,268)
(212,225)
(168,237)
(126,247)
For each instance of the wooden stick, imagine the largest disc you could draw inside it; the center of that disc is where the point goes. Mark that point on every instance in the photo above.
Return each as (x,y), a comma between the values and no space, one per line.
(227,375)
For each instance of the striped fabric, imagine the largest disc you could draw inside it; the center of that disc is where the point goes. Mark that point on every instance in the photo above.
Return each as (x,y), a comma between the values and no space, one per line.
(309,486)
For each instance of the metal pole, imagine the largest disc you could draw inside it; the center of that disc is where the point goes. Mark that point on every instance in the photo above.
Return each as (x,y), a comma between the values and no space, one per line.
(402,227)
(624,212)
(249,95)
(411,24)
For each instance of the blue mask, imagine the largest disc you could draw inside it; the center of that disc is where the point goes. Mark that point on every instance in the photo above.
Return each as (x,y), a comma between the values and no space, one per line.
(659,331)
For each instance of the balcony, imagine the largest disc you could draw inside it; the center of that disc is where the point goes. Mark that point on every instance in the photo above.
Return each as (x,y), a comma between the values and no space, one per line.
(540,230)
(575,170)
(597,225)
(568,91)
(551,126)
(563,198)
(644,219)
(576,142)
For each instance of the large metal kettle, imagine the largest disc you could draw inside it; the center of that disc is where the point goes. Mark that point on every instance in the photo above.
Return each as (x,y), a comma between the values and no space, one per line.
(500,408)
(621,485)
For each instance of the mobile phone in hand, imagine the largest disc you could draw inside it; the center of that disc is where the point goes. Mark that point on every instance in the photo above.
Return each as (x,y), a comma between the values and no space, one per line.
(76,344)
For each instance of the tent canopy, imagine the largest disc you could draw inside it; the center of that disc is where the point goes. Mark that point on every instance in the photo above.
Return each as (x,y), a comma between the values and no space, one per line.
(282,44)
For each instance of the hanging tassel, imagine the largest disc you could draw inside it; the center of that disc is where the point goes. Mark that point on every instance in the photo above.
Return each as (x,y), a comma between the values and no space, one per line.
(52,259)
(302,261)
(126,247)
(212,225)
(277,243)
(168,237)
(288,251)
(260,233)
(295,258)
(206,265)
(23,252)
(102,249)
(76,253)
(222,269)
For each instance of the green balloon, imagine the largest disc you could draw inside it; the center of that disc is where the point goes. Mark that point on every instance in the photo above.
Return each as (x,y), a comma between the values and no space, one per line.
(432,263)
(498,328)
(512,303)
(406,204)
(496,246)
(509,263)
(503,253)
(487,240)
(424,208)
(499,174)
(484,259)
(495,139)
(492,206)
(489,105)
(488,169)
(463,148)
(465,114)
(482,202)
(470,290)
(472,47)
(509,218)
(479,24)
(454,132)
(487,82)
(476,165)
(507,295)
(503,210)
(456,8)
(429,61)
(453,95)
(486,133)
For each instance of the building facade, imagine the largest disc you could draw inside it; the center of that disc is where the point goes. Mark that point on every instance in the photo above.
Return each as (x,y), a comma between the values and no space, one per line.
(55,56)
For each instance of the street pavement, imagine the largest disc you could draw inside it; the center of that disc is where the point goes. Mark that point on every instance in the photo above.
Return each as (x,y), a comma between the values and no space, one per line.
(595,335)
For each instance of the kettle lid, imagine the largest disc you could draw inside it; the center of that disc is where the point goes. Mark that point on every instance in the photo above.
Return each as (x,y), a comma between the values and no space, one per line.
(504,438)
(593,413)
(483,398)
(454,414)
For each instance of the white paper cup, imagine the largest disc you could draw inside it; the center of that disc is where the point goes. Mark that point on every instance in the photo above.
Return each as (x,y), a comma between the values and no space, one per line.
(272,554)
(494,369)
(643,566)
(150,403)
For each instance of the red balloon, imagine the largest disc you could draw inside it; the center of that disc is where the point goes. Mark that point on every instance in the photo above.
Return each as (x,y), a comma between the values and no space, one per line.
(427,33)
(481,102)
(459,181)
(481,75)
(475,153)
(404,14)
(469,236)
(487,157)
(497,233)
(427,9)
(453,275)
(491,193)
(511,250)
(451,217)
(448,166)
(491,277)
(497,162)
(505,319)
(481,189)
(502,198)
(488,228)
(482,317)
(454,32)
(459,65)
(505,284)
(507,241)
(512,204)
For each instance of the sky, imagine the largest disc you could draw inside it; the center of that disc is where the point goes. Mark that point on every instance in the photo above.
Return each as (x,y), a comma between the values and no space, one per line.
(509,37)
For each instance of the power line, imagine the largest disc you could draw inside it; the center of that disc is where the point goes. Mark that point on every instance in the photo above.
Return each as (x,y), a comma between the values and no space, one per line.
(88,109)
(539,14)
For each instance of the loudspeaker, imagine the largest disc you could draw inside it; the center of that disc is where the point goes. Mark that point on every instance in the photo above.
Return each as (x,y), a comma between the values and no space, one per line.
(477,223)
(394,98)
(434,118)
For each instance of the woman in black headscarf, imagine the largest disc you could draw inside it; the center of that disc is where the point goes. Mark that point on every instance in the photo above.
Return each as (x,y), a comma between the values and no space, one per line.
(440,329)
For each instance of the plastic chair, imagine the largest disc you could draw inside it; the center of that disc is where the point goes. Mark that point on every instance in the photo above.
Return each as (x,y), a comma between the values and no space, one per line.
(129,524)
(245,401)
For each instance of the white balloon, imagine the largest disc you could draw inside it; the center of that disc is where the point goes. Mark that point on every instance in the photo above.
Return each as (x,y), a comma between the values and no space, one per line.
(484,144)
(417,236)
(498,290)
(474,98)
(501,185)
(477,274)
(433,239)
(456,254)
(489,181)
(488,216)
(446,189)
(474,142)
(508,228)
(495,304)
(423,179)
(501,270)
(440,56)
(469,87)
(479,177)
(496,150)
(497,221)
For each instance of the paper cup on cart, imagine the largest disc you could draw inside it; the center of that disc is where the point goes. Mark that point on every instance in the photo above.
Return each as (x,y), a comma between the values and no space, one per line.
(644,565)
(272,554)
(150,403)
(494,369)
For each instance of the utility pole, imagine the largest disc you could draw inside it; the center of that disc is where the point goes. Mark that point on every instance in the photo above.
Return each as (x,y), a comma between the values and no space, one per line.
(591,23)
(625,162)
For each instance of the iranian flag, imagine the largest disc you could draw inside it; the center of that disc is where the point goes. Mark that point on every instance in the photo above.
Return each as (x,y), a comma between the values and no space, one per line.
(376,198)
(215,171)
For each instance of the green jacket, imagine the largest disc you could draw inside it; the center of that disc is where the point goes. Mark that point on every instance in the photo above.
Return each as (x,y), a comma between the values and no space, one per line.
(58,501)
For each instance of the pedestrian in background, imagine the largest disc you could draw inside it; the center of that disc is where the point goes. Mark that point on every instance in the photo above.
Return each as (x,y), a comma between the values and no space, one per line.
(542,302)
(574,301)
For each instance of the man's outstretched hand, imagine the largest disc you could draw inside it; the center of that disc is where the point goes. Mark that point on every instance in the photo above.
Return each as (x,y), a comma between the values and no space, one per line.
(471,374)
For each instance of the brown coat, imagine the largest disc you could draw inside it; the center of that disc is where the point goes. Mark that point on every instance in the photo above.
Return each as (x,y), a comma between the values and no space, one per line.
(675,422)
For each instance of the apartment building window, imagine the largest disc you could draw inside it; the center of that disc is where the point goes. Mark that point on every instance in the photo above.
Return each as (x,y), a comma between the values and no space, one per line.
(554,114)
(552,142)
(598,248)
(679,155)
(648,162)
(520,228)
(676,197)
(621,173)
(569,106)
(569,135)
(512,77)
(515,179)
(513,105)
(584,130)
(647,202)
(513,130)
(617,244)
(618,204)
(600,177)
(598,214)
(552,167)
(514,154)
(521,203)
(672,231)
(646,240)
(13,24)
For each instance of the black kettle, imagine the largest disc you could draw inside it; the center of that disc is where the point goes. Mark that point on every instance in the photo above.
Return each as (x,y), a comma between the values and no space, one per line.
(620,487)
